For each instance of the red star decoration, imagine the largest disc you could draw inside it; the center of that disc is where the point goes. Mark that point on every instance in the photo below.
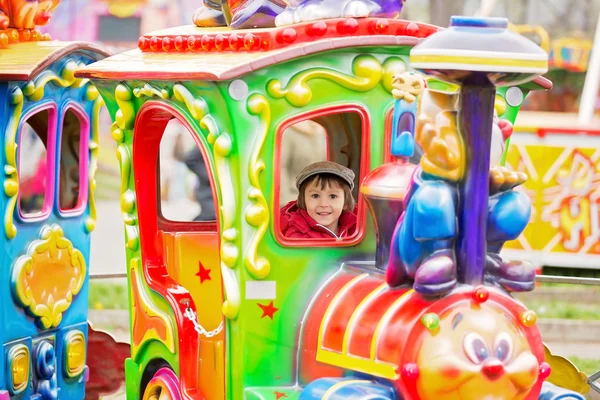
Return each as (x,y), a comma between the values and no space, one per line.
(268,310)
(279,395)
(203,273)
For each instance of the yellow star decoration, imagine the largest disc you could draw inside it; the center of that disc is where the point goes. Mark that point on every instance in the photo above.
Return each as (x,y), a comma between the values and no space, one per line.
(48,276)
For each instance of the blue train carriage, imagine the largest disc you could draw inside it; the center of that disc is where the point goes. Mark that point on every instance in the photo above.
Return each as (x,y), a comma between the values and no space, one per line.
(49,139)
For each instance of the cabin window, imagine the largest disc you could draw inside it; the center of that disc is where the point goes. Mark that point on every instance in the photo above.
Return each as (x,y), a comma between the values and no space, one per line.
(338,135)
(35,164)
(186,193)
(72,177)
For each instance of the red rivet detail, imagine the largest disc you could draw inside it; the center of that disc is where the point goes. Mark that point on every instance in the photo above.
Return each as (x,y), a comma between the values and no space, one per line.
(207,42)
(180,43)
(25,35)
(155,43)
(412,29)
(319,28)
(348,26)
(481,294)
(143,43)
(167,44)
(193,43)
(410,371)
(289,35)
(265,44)
(251,41)
(13,35)
(545,370)
(235,41)
(220,41)
(381,26)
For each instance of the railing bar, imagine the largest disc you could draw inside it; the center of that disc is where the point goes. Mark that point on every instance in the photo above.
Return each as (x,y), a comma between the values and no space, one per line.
(118,275)
(568,279)
(592,381)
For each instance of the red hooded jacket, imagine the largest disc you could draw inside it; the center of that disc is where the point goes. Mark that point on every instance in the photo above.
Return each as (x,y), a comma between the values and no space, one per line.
(296,223)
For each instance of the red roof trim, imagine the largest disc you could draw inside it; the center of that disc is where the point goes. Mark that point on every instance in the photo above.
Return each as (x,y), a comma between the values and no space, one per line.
(278,38)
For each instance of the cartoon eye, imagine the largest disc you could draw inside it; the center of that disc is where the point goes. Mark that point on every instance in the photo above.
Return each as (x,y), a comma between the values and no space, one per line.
(503,346)
(475,348)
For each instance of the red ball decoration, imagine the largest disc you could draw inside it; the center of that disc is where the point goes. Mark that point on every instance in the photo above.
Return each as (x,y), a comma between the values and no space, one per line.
(25,35)
(155,43)
(251,41)
(348,26)
(220,41)
(481,294)
(412,29)
(545,370)
(265,44)
(319,28)
(381,26)
(207,42)
(167,44)
(193,43)
(180,43)
(289,35)
(143,43)
(410,371)
(235,41)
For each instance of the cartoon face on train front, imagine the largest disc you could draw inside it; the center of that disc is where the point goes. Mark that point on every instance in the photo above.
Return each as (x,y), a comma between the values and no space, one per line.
(478,353)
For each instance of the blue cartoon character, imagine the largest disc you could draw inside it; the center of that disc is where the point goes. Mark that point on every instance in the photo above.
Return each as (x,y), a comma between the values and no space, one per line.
(312,10)
(239,14)
(423,246)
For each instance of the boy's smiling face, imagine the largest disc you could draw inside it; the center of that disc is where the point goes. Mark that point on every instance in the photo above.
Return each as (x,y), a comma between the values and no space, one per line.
(324,205)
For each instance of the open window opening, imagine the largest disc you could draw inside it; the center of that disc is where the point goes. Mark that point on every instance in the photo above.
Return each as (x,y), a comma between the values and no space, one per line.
(72,184)
(326,206)
(185,193)
(33,164)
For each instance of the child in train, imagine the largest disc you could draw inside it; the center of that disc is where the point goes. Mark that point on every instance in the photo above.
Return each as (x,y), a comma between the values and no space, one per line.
(325,205)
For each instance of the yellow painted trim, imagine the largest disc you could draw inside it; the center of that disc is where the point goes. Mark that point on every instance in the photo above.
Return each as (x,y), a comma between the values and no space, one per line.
(357,312)
(380,369)
(333,302)
(331,391)
(257,213)
(384,320)
(51,252)
(502,62)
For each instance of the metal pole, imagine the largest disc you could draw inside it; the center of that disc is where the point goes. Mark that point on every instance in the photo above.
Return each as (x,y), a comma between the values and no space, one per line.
(477,96)
(108,276)
(573,280)
(589,97)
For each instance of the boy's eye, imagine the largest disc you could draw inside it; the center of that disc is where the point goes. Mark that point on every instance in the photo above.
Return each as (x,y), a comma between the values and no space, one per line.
(314,196)
(334,196)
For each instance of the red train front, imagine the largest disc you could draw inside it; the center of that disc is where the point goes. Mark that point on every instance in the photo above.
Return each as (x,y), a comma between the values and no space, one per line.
(412,345)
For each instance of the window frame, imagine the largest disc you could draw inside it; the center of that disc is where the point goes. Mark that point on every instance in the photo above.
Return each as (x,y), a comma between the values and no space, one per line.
(365,143)
(48,205)
(169,225)
(84,135)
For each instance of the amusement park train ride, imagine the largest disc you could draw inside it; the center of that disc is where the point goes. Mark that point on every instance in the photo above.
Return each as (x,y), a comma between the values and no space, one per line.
(415,305)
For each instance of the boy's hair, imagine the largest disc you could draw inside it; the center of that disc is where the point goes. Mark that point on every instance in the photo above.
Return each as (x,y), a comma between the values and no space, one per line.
(324,180)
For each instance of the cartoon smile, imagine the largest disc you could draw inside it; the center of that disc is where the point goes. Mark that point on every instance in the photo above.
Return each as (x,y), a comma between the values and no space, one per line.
(478,353)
